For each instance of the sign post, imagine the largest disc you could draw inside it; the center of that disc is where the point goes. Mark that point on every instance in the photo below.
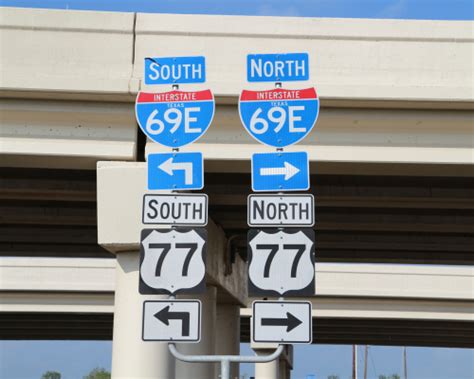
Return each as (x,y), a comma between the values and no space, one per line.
(281,260)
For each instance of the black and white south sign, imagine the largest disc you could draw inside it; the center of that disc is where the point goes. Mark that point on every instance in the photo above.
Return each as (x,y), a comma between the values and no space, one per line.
(281,262)
(171,320)
(283,322)
(175,209)
(280,210)
(172,261)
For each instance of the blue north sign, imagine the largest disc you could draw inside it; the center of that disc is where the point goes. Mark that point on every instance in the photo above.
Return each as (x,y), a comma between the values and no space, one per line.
(175,118)
(279,117)
(277,67)
(175,70)
(281,171)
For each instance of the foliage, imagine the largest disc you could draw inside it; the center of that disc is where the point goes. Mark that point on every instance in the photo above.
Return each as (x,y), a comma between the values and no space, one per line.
(393,376)
(51,375)
(333,376)
(98,373)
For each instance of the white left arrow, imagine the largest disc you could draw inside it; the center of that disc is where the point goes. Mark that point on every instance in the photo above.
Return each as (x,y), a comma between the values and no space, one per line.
(169,167)
(288,170)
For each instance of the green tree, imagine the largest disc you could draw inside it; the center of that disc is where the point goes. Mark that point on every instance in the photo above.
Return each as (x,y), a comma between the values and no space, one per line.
(51,375)
(98,373)
(393,376)
(333,376)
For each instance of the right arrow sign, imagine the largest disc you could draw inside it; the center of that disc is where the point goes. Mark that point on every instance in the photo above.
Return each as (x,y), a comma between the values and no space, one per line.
(281,171)
(282,322)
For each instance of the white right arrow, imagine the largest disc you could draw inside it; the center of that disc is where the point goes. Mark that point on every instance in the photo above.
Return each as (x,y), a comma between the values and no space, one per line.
(288,170)
(169,167)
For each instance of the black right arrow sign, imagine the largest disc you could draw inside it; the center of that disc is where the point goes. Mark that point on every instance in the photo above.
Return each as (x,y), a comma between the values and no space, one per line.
(290,322)
(283,322)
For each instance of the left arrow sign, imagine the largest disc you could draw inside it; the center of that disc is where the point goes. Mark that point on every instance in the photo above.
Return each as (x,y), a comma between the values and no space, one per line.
(169,167)
(165,316)
(175,171)
(172,320)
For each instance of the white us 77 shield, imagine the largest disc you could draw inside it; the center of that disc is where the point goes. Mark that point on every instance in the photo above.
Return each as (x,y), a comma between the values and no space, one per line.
(281,262)
(172,260)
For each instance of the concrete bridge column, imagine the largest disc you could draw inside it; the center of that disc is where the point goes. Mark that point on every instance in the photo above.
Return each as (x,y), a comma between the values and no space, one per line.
(207,344)
(277,369)
(228,338)
(132,357)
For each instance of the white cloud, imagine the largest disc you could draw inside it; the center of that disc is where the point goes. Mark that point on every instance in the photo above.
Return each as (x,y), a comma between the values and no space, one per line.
(394,10)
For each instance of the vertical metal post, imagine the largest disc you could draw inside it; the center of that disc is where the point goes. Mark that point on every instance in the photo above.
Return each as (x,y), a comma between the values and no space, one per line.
(225,369)
(365,360)
(405,370)
(354,361)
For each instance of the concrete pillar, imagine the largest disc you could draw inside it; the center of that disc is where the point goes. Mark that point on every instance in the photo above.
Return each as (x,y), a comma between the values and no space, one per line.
(207,345)
(132,357)
(286,362)
(270,370)
(228,339)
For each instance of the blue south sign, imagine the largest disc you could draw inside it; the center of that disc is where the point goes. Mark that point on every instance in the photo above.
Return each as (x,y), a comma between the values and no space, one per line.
(175,118)
(175,70)
(279,117)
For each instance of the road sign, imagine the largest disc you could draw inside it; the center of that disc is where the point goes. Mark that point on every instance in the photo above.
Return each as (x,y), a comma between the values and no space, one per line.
(280,210)
(172,261)
(175,70)
(175,118)
(282,322)
(175,209)
(277,67)
(175,171)
(171,320)
(279,117)
(281,262)
(281,171)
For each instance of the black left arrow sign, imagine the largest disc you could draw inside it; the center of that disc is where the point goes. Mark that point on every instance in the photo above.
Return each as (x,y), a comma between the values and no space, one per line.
(165,316)
(290,322)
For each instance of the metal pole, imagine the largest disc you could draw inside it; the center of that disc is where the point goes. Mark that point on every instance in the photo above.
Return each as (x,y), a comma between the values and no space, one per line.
(405,370)
(354,361)
(224,359)
(225,369)
(365,360)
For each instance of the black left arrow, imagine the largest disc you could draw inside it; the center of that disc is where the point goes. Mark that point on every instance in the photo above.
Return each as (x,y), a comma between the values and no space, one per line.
(290,322)
(165,316)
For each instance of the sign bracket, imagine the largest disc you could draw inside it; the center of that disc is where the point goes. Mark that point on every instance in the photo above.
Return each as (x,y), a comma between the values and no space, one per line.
(224,360)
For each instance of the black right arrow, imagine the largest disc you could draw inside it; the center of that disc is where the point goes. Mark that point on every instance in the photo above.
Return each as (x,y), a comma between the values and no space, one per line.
(165,316)
(290,322)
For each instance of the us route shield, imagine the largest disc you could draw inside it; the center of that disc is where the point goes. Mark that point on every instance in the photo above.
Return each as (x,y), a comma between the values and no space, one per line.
(172,261)
(281,262)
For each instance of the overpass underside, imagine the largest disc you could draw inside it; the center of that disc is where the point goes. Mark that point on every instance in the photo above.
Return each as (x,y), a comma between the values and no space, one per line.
(368,228)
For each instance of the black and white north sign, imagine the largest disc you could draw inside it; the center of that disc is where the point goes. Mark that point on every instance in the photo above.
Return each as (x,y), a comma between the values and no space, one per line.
(172,261)
(281,262)
(180,210)
(280,210)
(283,322)
(171,320)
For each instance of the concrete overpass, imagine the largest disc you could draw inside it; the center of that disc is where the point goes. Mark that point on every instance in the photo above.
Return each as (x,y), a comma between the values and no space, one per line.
(391,165)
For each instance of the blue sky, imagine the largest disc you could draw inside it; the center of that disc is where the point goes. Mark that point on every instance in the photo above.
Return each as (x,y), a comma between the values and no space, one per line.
(405,9)
(74,359)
